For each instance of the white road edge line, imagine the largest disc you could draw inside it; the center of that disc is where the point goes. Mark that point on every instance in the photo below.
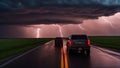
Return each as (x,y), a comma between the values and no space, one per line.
(6,63)
(106,50)
(107,53)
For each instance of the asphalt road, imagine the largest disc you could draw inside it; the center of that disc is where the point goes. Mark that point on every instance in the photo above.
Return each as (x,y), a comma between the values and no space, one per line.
(97,59)
(48,56)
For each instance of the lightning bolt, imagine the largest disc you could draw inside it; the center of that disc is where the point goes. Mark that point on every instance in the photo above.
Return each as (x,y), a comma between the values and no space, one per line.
(60,30)
(38,33)
(108,22)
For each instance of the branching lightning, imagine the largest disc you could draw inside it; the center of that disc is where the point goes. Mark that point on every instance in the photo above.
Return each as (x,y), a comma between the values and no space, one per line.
(38,33)
(83,29)
(108,22)
(60,30)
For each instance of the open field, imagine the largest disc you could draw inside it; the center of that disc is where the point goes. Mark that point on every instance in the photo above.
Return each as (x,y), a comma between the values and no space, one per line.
(112,42)
(9,47)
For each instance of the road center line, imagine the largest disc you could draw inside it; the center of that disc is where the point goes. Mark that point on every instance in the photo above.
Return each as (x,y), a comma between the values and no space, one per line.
(64,58)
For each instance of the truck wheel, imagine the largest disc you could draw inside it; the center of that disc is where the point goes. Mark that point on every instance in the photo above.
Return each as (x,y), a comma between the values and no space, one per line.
(88,52)
(82,52)
(68,51)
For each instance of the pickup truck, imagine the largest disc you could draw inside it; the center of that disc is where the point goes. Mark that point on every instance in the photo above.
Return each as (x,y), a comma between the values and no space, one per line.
(80,43)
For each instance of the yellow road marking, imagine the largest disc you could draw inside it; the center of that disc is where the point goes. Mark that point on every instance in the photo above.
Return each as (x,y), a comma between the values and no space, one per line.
(62,61)
(64,58)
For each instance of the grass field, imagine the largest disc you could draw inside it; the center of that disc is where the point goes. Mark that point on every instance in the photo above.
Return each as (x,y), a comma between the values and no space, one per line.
(112,42)
(9,47)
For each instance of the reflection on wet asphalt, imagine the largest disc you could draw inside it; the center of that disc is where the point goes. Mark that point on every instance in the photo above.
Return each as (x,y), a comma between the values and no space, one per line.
(48,56)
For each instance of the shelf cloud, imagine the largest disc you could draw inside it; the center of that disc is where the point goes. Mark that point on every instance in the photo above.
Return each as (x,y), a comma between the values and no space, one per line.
(56,15)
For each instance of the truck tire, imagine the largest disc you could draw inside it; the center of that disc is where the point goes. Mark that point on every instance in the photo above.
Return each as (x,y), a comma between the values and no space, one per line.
(69,51)
(82,52)
(88,52)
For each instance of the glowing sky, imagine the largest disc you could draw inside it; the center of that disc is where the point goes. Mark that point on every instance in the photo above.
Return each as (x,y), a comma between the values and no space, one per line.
(52,18)
(103,26)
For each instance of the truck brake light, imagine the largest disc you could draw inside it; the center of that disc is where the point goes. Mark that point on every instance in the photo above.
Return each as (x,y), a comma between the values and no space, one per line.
(69,42)
(88,42)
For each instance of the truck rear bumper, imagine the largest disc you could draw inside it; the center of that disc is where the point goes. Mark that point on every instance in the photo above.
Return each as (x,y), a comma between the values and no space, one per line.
(79,48)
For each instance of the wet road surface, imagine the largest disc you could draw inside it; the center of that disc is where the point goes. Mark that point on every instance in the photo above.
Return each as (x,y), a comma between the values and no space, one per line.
(48,56)
(97,59)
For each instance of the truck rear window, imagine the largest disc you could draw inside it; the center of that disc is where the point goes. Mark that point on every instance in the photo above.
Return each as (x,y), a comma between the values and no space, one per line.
(78,37)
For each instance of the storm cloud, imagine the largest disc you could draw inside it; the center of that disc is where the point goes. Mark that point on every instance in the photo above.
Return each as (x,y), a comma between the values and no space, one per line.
(35,3)
(56,15)
(55,11)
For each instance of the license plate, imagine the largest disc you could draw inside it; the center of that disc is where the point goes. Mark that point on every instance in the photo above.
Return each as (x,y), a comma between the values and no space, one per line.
(79,42)
(79,49)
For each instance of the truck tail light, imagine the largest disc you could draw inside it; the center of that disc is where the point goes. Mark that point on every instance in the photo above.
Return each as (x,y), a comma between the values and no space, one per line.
(69,43)
(88,42)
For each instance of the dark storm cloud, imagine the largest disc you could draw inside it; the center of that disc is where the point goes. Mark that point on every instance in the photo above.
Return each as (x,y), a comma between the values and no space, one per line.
(51,15)
(32,3)
(9,5)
